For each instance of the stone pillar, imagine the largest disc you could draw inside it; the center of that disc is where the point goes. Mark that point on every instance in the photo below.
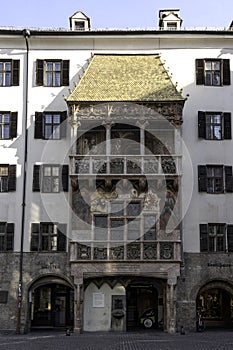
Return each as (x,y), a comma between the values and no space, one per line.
(108,138)
(78,305)
(170,306)
(142,141)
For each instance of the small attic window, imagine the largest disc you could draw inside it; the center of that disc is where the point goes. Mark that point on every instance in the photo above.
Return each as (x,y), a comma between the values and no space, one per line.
(79,25)
(172,25)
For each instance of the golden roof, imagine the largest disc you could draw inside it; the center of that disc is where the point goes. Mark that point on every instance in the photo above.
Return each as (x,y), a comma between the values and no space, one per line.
(125,78)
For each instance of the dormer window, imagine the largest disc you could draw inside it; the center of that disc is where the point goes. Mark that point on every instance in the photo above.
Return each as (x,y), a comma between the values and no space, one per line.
(79,22)
(170,19)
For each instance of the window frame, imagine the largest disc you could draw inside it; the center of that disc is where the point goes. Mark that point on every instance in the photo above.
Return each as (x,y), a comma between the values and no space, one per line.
(13,71)
(136,217)
(39,179)
(12,125)
(6,237)
(225,77)
(48,237)
(42,72)
(203,125)
(40,125)
(215,182)
(9,179)
(211,238)
(227,179)
(51,181)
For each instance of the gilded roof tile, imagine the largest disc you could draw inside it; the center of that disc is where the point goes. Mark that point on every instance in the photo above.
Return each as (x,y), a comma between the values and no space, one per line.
(125,78)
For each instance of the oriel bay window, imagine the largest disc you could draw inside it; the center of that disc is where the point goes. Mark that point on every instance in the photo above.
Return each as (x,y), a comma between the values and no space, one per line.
(214,125)
(215,179)
(216,237)
(52,72)
(50,178)
(50,125)
(46,236)
(6,236)
(213,72)
(8,125)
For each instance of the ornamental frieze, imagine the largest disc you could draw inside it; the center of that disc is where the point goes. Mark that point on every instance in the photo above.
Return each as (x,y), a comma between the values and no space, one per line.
(119,111)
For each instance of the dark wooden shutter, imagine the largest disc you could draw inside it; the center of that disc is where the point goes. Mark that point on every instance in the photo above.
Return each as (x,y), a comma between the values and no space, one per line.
(227,126)
(202,187)
(15,72)
(36,178)
(38,132)
(10,237)
(201,124)
(65,177)
(61,238)
(203,237)
(65,72)
(226,72)
(35,234)
(63,124)
(230,238)
(12,178)
(200,79)
(13,125)
(39,72)
(228,179)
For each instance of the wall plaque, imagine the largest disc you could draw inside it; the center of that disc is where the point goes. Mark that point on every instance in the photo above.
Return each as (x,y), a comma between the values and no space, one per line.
(98,300)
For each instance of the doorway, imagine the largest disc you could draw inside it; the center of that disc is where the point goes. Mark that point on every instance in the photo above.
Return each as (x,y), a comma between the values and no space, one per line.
(216,308)
(52,306)
(142,306)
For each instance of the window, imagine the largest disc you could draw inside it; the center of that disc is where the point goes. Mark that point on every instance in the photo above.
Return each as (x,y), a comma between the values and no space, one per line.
(52,72)
(8,125)
(216,238)
(7,178)
(213,72)
(172,25)
(214,125)
(79,25)
(215,178)
(124,222)
(46,236)
(50,178)
(9,72)
(50,125)
(6,237)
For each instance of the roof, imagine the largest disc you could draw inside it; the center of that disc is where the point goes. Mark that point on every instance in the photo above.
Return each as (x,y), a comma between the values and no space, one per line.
(125,78)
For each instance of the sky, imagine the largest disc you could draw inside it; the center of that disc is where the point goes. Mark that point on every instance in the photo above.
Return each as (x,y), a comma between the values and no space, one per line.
(114,13)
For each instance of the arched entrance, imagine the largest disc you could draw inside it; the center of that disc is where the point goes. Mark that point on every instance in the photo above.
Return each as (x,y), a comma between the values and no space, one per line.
(144,307)
(215,303)
(51,303)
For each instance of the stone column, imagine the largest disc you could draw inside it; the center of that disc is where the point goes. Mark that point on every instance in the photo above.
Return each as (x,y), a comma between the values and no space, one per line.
(108,144)
(170,306)
(78,305)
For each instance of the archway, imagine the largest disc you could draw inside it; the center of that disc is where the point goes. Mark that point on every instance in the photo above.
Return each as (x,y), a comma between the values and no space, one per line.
(215,304)
(51,303)
(142,302)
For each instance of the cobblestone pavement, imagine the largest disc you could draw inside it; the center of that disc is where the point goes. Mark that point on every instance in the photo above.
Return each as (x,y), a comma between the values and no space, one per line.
(153,340)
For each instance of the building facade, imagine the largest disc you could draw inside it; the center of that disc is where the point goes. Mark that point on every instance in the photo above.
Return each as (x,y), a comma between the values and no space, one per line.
(116,177)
